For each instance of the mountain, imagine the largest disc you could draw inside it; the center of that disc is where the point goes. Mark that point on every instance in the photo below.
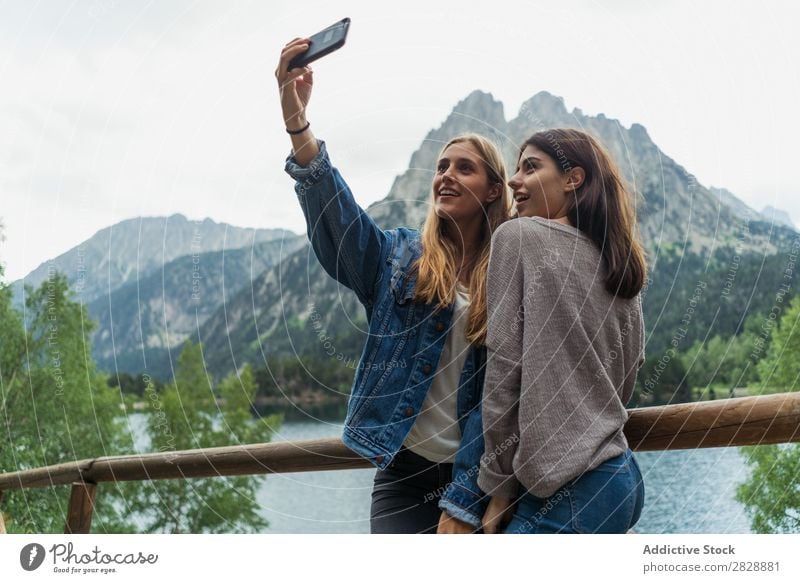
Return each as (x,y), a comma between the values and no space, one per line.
(742,210)
(133,248)
(149,281)
(144,317)
(674,207)
(296,309)
(293,310)
(778,216)
(768,214)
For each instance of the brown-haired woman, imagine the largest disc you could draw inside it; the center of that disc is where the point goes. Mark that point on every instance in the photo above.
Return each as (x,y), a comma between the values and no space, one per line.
(565,340)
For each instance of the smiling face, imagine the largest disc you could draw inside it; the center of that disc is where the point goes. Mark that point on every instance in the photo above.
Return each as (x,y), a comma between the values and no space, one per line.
(461,186)
(539,187)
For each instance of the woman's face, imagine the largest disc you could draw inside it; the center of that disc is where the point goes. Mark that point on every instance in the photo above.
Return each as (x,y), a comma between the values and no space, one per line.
(539,187)
(461,188)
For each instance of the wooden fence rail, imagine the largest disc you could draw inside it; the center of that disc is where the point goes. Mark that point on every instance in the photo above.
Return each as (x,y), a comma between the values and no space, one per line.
(760,420)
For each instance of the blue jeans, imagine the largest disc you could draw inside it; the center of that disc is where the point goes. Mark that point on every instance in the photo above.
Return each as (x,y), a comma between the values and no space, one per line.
(607,499)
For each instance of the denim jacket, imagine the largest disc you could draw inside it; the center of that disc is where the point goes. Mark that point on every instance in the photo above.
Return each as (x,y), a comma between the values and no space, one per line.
(405,337)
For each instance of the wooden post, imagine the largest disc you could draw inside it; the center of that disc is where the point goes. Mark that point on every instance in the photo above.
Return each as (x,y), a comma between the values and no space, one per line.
(2,522)
(81,506)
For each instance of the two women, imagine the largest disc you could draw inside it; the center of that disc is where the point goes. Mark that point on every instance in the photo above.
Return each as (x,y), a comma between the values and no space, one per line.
(417,417)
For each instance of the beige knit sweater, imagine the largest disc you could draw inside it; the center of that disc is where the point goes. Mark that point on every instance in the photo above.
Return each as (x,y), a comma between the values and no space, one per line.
(562,359)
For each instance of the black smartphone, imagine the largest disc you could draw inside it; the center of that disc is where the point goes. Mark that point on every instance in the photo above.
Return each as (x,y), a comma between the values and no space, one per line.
(324,42)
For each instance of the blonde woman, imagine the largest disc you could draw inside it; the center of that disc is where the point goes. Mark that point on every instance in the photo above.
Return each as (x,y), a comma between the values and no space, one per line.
(414,411)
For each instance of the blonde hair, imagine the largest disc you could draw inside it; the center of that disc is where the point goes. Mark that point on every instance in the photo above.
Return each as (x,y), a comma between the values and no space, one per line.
(436,266)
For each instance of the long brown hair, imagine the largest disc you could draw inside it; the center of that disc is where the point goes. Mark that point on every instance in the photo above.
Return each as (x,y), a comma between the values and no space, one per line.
(437,275)
(602,207)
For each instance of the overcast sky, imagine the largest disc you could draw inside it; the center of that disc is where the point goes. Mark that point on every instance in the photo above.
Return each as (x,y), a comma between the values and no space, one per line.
(115,109)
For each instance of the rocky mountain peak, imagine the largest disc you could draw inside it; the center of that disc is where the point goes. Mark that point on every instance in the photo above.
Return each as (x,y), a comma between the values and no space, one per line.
(480,105)
(546,107)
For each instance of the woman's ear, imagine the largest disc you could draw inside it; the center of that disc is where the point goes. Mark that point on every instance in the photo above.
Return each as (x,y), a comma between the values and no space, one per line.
(494,193)
(575,178)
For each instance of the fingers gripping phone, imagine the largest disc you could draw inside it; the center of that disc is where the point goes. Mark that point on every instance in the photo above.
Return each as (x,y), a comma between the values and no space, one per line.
(323,43)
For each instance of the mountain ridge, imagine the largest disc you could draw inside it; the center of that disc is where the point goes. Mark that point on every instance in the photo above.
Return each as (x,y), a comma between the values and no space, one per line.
(134,246)
(674,211)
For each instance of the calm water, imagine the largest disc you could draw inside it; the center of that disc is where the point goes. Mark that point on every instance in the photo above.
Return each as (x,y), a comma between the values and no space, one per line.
(687,491)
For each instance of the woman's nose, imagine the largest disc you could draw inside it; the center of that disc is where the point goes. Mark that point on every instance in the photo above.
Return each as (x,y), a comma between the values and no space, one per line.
(514,183)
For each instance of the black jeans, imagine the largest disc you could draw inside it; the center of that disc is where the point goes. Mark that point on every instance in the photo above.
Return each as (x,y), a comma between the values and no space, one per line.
(406,495)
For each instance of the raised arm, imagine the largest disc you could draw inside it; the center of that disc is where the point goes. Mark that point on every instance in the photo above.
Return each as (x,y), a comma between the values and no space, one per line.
(345,239)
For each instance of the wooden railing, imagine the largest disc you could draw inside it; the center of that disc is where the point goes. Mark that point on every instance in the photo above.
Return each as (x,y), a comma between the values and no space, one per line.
(729,422)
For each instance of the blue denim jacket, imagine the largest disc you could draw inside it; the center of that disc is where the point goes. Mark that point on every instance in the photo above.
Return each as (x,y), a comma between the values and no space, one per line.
(405,337)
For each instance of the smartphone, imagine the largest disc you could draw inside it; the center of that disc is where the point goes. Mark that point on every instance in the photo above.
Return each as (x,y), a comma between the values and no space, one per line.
(324,42)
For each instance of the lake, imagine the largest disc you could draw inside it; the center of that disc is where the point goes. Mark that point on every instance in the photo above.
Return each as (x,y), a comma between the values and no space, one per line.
(688,491)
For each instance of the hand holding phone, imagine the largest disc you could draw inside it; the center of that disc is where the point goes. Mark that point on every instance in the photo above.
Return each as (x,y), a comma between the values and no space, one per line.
(323,43)
(295,81)
(294,85)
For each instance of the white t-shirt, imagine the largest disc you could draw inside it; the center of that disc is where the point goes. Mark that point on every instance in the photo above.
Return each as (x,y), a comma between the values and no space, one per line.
(436,435)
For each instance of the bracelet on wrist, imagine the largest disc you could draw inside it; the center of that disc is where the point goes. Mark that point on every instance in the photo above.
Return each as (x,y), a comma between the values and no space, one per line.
(300,131)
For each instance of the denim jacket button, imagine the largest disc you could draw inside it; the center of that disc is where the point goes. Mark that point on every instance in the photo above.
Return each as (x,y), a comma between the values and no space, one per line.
(427,369)
(409,411)
(439,326)
(379,459)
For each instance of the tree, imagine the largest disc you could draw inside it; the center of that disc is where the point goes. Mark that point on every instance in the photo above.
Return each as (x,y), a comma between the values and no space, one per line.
(133,385)
(770,495)
(662,380)
(720,361)
(781,365)
(186,416)
(55,406)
